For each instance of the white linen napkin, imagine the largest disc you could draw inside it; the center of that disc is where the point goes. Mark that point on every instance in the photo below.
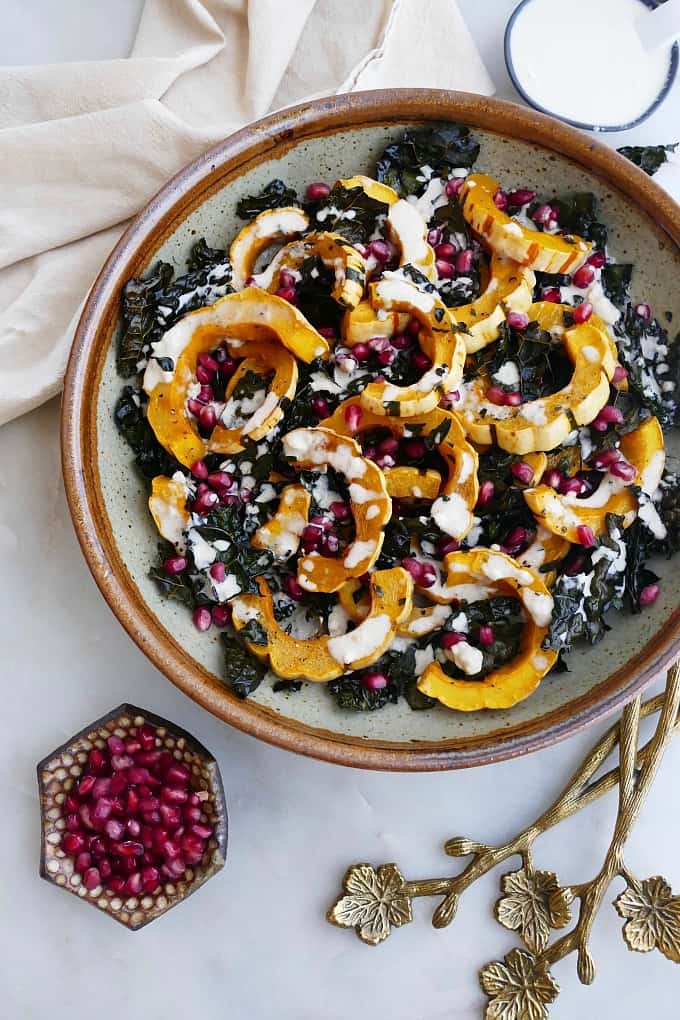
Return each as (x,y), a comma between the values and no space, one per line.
(84,145)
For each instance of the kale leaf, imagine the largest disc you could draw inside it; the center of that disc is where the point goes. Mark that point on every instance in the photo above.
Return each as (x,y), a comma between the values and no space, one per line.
(227,524)
(638,548)
(442,148)
(648,157)
(243,672)
(131,421)
(616,282)
(400,668)
(177,586)
(577,214)
(140,326)
(669,511)
(273,196)
(314,294)
(208,279)
(349,212)
(539,356)
(652,363)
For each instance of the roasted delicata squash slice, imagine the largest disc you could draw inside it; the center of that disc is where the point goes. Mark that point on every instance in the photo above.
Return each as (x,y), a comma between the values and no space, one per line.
(269,227)
(545,548)
(505,686)
(325,658)
(281,534)
(425,620)
(407,482)
(362,323)
(564,514)
(438,338)
(167,504)
(544,423)
(248,322)
(509,288)
(407,230)
(452,510)
(370,505)
(354,598)
(546,253)
(372,188)
(262,359)
(335,252)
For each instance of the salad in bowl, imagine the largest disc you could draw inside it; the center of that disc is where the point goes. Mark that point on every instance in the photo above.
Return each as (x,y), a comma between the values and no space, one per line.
(405,438)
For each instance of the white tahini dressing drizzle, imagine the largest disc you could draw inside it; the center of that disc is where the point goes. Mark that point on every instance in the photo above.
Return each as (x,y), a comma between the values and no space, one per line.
(364,640)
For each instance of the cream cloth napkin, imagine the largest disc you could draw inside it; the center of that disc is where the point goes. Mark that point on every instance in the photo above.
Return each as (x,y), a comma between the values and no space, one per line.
(84,145)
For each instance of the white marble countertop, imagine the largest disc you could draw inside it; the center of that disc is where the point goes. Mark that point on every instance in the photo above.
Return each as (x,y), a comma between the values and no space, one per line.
(254,943)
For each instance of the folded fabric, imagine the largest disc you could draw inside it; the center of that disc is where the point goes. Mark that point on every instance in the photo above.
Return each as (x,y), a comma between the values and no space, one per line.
(83,146)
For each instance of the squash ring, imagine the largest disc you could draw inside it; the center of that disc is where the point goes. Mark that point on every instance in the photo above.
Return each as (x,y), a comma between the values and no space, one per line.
(461,488)
(546,253)
(335,252)
(371,188)
(510,289)
(371,506)
(326,658)
(563,515)
(361,324)
(438,338)
(509,684)
(407,230)
(267,228)
(543,424)
(281,534)
(167,504)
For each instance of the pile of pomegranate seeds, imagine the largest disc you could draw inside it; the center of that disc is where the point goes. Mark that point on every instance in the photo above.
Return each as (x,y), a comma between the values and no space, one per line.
(133,820)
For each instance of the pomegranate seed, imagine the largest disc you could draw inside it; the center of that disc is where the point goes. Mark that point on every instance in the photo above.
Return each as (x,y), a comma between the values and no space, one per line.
(97,847)
(486,636)
(177,775)
(91,879)
(444,269)
(428,576)
(414,449)
(402,341)
(552,294)
(340,510)
(420,361)
(517,320)
(500,200)
(446,546)
(132,746)
(361,352)
(517,537)
(175,565)
(453,186)
(129,848)
(96,759)
(206,394)
(328,332)
(170,850)
(202,618)
(388,445)
(619,374)
(523,472)
(378,343)
(86,785)
(353,416)
(101,788)
(552,477)
(137,774)
(576,566)
(380,250)
(105,869)
(203,375)
(133,828)
(599,425)
(487,491)
(293,588)
(227,366)
(385,461)
(220,479)
(582,312)
(85,816)
(576,485)
(542,214)
(150,878)
(218,572)
(148,758)
(82,862)
(495,395)
(583,277)
(206,502)
(597,259)
(170,816)
(513,399)
(386,357)
(521,197)
(605,458)
(414,568)
(446,251)
(221,615)
(208,362)
(133,885)
(612,415)
(374,681)
(114,829)
(413,328)
(464,261)
(452,638)
(72,823)
(644,311)
(202,831)
(173,795)
(317,190)
(585,536)
(320,407)
(121,761)
(195,407)
(191,814)
(649,594)
(73,842)
(622,469)
(434,236)
(208,418)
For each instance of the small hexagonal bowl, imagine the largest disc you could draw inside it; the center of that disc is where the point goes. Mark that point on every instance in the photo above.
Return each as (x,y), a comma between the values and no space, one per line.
(59,771)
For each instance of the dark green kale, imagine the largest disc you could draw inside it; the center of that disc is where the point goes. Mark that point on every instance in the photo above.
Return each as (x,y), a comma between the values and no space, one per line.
(508,509)
(669,511)
(400,668)
(442,148)
(504,615)
(314,294)
(616,282)
(582,600)
(208,278)
(140,326)
(131,421)
(273,196)
(178,586)
(639,546)
(652,363)
(577,214)
(242,671)
(648,157)
(539,356)
(349,212)
(227,524)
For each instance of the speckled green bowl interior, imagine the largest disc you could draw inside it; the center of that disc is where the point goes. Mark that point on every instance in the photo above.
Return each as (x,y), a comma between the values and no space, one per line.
(633,237)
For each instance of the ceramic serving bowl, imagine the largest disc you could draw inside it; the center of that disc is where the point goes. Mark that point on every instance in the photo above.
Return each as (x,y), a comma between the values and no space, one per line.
(327,139)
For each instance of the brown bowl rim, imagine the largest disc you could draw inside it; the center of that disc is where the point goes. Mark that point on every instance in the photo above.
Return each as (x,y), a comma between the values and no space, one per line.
(272,136)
